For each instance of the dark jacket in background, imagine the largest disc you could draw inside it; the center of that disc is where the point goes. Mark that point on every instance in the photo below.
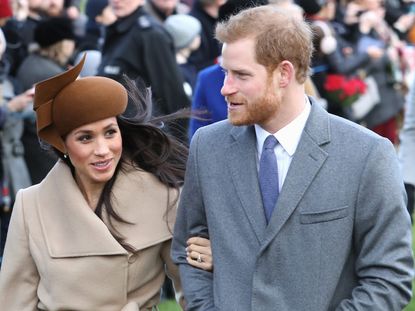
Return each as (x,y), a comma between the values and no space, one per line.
(36,68)
(139,46)
(209,50)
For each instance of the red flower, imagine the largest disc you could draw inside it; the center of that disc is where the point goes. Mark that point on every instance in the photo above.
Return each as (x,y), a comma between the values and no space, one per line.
(343,90)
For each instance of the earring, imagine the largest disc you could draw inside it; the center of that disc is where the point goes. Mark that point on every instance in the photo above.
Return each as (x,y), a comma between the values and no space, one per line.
(65,156)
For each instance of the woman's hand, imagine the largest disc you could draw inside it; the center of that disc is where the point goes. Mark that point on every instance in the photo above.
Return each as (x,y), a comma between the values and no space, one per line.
(199,253)
(21,101)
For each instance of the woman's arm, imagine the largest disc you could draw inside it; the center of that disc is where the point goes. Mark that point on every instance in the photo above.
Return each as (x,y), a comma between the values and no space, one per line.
(19,277)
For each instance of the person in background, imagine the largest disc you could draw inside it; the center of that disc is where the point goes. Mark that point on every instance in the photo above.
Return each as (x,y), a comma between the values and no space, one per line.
(207,12)
(14,172)
(71,10)
(407,148)
(207,99)
(162,9)
(55,38)
(95,234)
(304,210)
(185,31)
(100,15)
(137,46)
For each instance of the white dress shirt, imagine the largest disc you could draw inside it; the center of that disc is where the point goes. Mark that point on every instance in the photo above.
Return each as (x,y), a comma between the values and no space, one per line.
(288,138)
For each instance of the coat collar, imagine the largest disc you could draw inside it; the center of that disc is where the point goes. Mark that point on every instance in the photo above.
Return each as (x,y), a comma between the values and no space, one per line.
(72,229)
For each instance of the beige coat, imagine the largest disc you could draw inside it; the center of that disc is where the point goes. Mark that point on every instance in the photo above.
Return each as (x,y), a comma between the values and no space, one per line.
(60,256)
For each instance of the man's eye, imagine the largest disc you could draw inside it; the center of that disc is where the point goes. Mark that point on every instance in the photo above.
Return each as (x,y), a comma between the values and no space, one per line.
(242,76)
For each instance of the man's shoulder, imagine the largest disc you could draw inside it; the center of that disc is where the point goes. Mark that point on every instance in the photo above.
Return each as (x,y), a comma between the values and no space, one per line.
(355,139)
(345,126)
(216,129)
(219,134)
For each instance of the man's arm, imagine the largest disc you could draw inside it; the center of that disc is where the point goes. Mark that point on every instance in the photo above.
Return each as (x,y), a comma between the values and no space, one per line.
(382,236)
(191,221)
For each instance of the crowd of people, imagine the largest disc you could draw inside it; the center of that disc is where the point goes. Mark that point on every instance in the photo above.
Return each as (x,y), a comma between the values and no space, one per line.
(297,191)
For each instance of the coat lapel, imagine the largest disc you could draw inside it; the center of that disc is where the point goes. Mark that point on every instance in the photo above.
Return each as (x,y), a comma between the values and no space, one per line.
(72,229)
(245,176)
(307,161)
(69,226)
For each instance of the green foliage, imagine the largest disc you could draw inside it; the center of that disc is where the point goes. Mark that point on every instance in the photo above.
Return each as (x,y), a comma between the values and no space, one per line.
(169,305)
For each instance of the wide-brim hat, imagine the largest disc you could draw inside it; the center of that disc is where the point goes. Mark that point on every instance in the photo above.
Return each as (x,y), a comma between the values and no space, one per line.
(63,103)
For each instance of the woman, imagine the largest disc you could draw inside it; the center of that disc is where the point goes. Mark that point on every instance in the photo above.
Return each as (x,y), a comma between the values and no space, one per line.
(95,233)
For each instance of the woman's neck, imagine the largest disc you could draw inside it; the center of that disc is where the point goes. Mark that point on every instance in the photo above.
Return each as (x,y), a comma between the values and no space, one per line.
(90,191)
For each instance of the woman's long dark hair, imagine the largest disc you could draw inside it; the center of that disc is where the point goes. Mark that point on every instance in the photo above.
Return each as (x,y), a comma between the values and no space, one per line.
(147,147)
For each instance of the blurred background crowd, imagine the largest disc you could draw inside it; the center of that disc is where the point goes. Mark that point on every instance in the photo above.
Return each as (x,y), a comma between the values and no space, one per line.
(362,68)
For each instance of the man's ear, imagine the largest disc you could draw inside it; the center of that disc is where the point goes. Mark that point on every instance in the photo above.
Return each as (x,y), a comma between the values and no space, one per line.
(284,73)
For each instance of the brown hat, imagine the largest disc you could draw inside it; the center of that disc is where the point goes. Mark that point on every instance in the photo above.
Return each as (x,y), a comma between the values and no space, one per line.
(63,103)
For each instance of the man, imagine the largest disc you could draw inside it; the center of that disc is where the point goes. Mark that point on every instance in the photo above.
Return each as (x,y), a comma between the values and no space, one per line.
(139,46)
(161,9)
(332,232)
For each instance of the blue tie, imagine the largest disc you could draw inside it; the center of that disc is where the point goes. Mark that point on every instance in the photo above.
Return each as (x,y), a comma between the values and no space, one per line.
(268,176)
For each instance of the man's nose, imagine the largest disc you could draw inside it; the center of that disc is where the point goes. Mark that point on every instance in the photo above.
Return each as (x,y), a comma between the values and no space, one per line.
(228,87)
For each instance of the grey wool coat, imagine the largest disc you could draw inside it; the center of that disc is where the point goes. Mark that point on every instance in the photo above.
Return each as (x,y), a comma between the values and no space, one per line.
(339,237)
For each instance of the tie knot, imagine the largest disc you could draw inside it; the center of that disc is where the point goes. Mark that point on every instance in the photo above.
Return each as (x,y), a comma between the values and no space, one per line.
(270,142)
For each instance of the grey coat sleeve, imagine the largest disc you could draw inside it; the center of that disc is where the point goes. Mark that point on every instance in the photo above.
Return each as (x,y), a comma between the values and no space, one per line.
(191,221)
(382,236)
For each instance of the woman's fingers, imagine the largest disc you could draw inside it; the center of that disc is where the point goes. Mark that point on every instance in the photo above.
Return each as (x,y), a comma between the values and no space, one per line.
(198,241)
(200,261)
(199,249)
(199,253)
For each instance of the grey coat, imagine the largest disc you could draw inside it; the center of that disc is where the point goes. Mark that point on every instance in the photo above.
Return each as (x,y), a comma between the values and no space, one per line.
(17,173)
(339,237)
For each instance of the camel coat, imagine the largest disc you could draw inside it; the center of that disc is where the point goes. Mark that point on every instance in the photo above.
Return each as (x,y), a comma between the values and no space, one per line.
(60,256)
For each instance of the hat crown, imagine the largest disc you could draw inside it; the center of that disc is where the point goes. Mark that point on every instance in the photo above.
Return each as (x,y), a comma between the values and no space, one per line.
(63,103)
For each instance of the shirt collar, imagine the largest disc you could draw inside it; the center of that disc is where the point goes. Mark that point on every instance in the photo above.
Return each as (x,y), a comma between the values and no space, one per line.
(289,136)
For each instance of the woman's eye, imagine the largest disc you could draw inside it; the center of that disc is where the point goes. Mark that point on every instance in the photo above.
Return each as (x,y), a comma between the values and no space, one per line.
(111,132)
(84,138)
